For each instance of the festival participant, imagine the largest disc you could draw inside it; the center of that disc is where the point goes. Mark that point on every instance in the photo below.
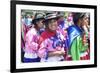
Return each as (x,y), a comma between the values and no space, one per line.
(61,21)
(52,45)
(86,37)
(76,33)
(70,19)
(62,26)
(28,20)
(32,38)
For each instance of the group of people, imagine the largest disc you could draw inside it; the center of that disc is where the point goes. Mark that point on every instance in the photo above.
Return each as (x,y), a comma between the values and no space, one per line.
(50,38)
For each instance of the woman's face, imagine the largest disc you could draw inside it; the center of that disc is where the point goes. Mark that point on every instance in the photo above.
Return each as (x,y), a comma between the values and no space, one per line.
(52,24)
(40,23)
(85,21)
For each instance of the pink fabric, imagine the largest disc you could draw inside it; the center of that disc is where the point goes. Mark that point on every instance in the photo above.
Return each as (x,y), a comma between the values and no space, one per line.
(46,44)
(31,41)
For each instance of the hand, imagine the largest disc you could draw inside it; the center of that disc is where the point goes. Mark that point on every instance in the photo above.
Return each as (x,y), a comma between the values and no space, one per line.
(56,53)
(60,52)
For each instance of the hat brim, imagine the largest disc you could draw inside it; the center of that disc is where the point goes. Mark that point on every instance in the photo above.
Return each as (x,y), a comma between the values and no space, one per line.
(45,20)
(35,20)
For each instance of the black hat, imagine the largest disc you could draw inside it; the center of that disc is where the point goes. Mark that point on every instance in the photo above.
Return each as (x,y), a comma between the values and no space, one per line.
(38,16)
(61,14)
(51,16)
(78,16)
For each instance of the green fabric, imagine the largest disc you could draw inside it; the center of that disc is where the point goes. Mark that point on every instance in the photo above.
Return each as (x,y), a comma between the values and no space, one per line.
(22,34)
(22,31)
(76,48)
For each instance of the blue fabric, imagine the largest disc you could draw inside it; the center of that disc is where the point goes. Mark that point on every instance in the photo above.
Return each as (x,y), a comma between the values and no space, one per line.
(66,43)
(73,32)
(61,24)
(41,30)
(27,21)
(56,41)
(62,60)
(28,60)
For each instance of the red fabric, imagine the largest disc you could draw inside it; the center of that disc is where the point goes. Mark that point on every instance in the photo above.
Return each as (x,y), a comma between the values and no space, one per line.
(47,34)
(69,58)
(87,57)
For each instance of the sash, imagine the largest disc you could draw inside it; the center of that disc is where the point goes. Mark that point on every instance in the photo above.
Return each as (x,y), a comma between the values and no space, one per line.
(73,32)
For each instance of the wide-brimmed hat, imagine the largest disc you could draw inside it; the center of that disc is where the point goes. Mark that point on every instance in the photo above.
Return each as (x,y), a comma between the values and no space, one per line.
(51,16)
(38,16)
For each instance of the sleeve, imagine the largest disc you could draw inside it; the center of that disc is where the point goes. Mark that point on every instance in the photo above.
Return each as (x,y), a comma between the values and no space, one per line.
(75,53)
(42,51)
(30,42)
(77,47)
